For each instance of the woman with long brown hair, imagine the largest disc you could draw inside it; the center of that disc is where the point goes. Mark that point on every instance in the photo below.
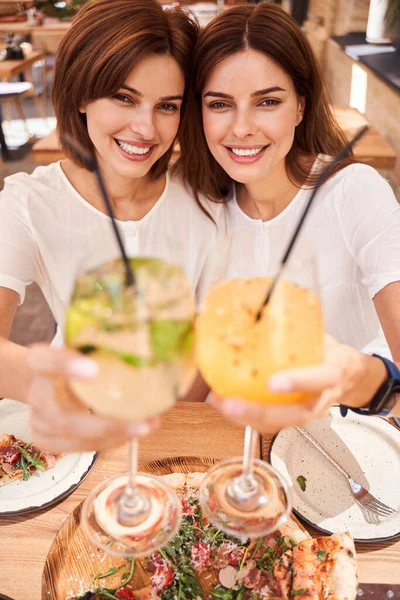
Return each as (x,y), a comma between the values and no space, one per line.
(258,130)
(119,90)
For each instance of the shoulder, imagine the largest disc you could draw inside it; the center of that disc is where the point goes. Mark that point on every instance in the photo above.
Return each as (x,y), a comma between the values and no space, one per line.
(359,186)
(23,185)
(360,177)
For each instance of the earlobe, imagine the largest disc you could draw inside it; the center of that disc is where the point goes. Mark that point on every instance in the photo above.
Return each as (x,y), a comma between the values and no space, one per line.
(82,109)
(300,110)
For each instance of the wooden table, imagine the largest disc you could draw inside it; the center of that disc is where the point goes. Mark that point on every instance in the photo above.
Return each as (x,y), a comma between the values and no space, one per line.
(188,429)
(12,68)
(372,149)
(47,149)
(51,25)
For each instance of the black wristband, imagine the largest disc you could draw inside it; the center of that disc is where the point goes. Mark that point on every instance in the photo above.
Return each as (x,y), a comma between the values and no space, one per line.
(378,405)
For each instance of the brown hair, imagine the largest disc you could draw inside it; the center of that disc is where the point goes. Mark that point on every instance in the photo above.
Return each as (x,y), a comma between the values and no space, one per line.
(106,40)
(267,29)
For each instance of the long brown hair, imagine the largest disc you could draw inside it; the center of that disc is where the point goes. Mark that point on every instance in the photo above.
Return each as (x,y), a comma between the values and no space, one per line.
(106,40)
(268,29)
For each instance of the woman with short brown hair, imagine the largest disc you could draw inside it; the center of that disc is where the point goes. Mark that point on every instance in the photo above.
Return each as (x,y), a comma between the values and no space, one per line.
(119,90)
(107,41)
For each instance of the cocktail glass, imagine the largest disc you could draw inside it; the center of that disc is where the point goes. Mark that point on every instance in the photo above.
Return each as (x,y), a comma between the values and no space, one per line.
(237,354)
(142,338)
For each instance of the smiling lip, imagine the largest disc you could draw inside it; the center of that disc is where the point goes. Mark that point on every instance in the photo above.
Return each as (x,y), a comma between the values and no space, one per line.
(246,159)
(135,157)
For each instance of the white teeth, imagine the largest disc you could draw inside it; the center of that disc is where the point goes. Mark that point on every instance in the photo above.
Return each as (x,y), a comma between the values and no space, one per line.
(132,149)
(243,152)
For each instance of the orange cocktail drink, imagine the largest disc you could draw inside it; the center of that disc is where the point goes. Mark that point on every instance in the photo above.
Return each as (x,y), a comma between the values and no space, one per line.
(237,354)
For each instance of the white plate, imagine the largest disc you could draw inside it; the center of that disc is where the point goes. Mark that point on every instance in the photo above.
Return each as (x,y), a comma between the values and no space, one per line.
(42,489)
(369,450)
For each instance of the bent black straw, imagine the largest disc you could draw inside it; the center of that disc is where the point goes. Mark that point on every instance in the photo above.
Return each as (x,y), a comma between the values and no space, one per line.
(323,176)
(91,164)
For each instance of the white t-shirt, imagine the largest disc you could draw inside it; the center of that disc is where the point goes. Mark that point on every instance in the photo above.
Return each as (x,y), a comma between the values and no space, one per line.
(354,228)
(50,234)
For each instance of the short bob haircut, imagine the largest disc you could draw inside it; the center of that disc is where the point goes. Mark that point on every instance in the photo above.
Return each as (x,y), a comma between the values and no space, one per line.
(267,29)
(107,39)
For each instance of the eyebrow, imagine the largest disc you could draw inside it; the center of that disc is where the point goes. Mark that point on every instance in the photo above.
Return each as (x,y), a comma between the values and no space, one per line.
(162,99)
(269,90)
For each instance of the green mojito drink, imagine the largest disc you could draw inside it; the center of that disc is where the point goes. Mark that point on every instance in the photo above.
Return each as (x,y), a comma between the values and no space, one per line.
(141,337)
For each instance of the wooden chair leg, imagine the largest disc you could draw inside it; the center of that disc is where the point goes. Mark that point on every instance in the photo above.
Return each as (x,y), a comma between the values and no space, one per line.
(7,111)
(20,110)
(3,168)
(44,81)
(39,104)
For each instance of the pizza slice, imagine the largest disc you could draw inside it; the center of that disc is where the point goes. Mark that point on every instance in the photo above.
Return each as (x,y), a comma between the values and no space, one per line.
(21,460)
(325,567)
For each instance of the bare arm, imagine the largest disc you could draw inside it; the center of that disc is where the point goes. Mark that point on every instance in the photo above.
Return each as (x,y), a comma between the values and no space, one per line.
(387,305)
(198,391)
(15,375)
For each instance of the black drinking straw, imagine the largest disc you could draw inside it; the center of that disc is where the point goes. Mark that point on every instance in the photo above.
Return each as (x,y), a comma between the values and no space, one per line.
(91,164)
(323,176)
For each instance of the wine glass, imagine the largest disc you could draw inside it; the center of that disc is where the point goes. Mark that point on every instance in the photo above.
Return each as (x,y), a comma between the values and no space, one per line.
(237,354)
(143,341)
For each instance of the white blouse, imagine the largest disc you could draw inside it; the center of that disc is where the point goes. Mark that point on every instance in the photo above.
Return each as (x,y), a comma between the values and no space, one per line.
(354,228)
(49,234)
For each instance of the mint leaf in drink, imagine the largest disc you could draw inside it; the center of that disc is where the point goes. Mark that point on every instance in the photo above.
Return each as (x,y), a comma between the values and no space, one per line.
(136,361)
(301,480)
(171,339)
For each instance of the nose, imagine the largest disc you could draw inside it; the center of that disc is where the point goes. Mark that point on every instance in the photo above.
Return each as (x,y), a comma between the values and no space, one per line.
(142,124)
(244,124)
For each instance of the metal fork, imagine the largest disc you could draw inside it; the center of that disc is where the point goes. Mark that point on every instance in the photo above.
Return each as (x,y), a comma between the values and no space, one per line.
(367,502)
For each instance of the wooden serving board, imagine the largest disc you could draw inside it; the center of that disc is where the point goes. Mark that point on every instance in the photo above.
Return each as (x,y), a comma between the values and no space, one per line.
(73,561)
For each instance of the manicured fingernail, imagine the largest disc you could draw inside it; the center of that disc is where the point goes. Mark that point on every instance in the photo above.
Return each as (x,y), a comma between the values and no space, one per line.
(279,383)
(139,429)
(83,367)
(232,407)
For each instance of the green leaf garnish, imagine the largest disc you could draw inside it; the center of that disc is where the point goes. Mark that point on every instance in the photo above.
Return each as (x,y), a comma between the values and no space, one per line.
(126,577)
(258,546)
(28,460)
(171,339)
(108,573)
(298,592)
(321,554)
(301,480)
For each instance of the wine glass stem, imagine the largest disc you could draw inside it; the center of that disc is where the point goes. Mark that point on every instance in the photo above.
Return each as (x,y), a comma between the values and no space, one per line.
(248,481)
(133,505)
(133,451)
(131,499)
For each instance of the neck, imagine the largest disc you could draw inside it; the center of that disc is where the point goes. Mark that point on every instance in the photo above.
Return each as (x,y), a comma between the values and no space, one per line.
(131,199)
(268,197)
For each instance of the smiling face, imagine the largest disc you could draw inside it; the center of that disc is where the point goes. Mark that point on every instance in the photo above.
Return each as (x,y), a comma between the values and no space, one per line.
(137,125)
(250,112)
